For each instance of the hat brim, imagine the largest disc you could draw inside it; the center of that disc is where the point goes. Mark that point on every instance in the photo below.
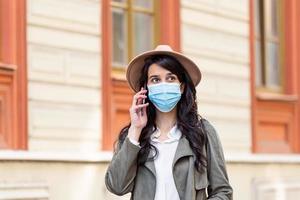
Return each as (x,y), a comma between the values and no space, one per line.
(134,68)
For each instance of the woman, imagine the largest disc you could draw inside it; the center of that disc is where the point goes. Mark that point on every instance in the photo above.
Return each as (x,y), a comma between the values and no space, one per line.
(167,152)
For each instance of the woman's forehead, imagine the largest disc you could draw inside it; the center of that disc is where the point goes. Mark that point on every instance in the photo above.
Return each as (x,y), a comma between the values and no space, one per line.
(156,69)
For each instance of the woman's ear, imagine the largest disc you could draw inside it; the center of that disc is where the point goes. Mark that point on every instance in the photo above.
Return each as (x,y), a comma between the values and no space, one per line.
(182,85)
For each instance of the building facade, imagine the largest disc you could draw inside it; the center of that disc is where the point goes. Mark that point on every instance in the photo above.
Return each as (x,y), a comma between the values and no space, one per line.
(64,98)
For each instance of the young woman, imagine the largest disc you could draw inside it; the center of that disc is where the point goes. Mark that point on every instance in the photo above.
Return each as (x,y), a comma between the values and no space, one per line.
(167,152)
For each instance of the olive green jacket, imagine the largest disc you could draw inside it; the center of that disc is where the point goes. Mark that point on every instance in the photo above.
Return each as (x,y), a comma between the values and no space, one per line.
(124,175)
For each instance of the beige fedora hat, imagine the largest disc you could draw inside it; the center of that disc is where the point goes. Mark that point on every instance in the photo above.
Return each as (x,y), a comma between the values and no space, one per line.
(135,66)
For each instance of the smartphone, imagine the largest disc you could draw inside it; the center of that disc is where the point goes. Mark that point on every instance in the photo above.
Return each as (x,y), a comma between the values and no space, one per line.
(144,100)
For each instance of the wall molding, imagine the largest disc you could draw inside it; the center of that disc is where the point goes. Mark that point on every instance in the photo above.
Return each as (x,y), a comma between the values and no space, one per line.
(24,190)
(106,156)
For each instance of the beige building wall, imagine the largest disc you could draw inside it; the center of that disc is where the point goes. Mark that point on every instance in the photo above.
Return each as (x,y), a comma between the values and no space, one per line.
(65,177)
(215,34)
(64,55)
(49,176)
(64,75)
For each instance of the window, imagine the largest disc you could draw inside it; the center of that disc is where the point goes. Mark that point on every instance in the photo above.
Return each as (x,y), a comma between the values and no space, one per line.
(269,45)
(134,28)
(275,78)
(130,27)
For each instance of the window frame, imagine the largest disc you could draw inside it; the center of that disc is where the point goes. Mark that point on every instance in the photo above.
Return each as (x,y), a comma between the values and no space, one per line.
(116,94)
(14,72)
(264,104)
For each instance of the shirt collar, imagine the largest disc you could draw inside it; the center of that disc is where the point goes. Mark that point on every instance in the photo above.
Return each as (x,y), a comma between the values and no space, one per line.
(173,135)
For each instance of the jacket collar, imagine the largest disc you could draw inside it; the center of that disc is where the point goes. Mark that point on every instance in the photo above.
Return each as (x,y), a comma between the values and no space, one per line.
(183,149)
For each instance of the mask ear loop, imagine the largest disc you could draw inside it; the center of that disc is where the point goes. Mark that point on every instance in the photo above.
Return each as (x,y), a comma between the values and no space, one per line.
(182,85)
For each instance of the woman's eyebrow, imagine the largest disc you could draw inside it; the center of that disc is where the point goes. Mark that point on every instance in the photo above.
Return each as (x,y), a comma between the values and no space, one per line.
(152,76)
(170,73)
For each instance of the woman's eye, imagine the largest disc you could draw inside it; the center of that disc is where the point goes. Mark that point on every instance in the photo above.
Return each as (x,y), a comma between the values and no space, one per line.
(155,80)
(171,78)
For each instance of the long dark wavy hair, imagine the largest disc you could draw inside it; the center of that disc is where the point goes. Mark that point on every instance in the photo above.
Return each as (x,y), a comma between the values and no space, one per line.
(188,119)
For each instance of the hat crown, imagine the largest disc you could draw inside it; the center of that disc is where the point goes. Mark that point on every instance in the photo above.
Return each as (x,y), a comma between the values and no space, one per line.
(163,47)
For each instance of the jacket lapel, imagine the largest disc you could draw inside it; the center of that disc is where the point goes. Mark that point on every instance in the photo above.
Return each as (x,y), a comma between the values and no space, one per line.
(183,149)
(150,164)
(182,172)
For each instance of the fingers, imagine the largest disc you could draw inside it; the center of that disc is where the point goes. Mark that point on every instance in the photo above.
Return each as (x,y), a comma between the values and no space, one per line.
(138,97)
(141,111)
(137,108)
(141,106)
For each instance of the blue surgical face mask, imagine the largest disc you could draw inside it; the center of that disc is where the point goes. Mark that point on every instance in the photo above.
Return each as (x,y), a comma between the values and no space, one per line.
(164,96)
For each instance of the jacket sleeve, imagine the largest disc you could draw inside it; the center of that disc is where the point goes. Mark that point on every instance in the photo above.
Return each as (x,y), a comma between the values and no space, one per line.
(219,187)
(121,172)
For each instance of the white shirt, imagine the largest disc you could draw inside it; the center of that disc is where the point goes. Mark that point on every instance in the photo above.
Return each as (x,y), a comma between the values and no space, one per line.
(165,185)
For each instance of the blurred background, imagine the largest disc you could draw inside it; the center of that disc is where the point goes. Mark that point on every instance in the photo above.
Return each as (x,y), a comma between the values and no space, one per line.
(64,97)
